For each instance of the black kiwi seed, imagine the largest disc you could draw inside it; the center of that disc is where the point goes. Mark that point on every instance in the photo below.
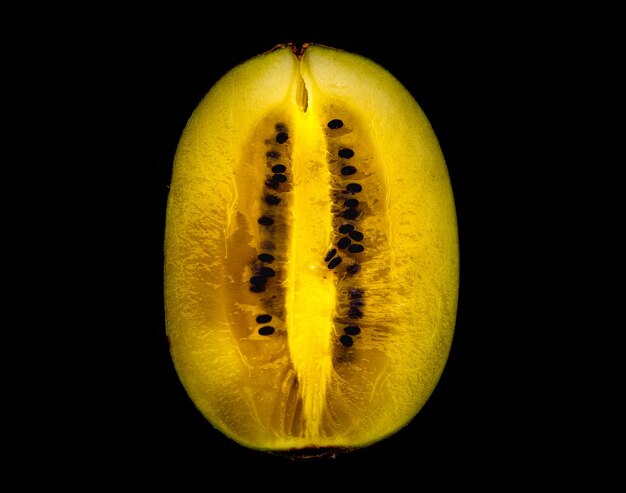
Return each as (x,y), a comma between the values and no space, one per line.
(330,254)
(348,170)
(352,330)
(266,257)
(346,228)
(355,293)
(282,137)
(351,203)
(356,248)
(279,168)
(255,288)
(350,214)
(280,127)
(279,178)
(272,199)
(353,268)
(356,235)
(267,272)
(334,262)
(343,242)
(354,188)
(346,340)
(266,331)
(346,153)
(265,221)
(357,303)
(355,312)
(258,280)
(263,319)
(335,123)
(272,154)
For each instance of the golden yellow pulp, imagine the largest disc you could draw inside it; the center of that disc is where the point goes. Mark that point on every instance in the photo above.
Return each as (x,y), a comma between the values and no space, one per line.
(308,380)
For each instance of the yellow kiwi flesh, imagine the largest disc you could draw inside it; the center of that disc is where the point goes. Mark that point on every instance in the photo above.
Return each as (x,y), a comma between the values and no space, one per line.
(292,155)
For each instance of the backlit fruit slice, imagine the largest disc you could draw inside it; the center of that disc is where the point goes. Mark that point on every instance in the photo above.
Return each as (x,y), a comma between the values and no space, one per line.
(311,253)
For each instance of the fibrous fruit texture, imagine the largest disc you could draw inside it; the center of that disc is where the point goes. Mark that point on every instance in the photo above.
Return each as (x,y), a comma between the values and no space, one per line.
(311,253)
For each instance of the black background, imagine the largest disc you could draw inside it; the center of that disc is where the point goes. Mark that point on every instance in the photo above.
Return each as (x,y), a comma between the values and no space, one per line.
(491,96)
